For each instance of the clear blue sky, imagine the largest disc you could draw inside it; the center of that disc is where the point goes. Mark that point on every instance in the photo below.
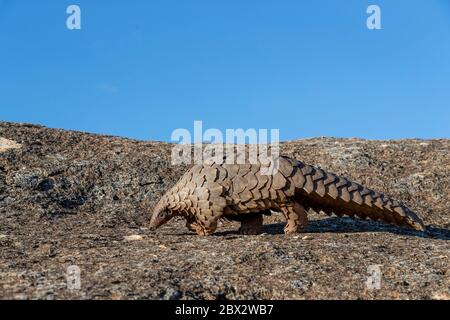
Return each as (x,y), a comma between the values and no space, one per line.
(141,69)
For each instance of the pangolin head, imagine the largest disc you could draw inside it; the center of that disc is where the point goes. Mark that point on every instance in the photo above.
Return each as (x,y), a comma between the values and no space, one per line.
(161,214)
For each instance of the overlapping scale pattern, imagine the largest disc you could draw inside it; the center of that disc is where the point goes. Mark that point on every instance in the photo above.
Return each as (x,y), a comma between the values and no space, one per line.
(208,192)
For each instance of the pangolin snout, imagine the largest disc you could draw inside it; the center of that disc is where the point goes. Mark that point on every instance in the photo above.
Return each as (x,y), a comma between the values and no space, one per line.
(159,218)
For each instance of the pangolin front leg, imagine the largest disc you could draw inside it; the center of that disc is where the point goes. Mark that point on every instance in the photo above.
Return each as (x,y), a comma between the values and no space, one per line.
(192,225)
(205,229)
(206,222)
(202,229)
(202,225)
(296,217)
(252,224)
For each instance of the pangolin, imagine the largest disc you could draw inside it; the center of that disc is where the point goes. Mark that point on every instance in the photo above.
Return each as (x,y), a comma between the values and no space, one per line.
(241,192)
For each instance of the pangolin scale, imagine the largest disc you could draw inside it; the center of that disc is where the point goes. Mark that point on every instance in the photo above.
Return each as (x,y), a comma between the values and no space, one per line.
(207,193)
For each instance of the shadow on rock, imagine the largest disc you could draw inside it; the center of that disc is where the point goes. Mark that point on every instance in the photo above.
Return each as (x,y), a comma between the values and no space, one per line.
(349,225)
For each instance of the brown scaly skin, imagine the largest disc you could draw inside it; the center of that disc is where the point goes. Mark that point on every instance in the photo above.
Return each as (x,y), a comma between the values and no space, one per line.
(207,193)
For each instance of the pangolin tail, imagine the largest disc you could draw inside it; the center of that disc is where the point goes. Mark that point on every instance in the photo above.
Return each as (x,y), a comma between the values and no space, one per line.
(327,192)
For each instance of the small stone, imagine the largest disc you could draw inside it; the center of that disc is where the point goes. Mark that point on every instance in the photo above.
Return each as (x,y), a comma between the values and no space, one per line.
(441,296)
(133,237)
(6,144)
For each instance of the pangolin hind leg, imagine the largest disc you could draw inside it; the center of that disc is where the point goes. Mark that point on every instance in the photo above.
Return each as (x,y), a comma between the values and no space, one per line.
(296,217)
(252,224)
